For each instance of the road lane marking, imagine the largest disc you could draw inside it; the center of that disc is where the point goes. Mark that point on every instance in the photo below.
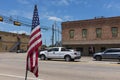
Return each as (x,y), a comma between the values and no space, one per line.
(15,76)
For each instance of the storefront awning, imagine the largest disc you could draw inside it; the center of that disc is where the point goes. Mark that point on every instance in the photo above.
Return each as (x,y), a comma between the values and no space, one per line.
(91,42)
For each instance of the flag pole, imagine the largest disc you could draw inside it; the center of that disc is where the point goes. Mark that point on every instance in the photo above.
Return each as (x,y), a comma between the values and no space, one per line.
(32,52)
(26,74)
(26,71)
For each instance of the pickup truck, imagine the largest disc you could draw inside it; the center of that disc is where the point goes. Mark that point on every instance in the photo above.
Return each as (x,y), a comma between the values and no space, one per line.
(59,53)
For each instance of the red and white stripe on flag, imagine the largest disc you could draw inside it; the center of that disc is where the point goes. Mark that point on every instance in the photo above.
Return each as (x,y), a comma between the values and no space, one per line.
(32,57)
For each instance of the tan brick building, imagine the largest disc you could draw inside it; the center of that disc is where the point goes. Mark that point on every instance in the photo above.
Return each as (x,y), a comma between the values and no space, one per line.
(12,41)
(100,33)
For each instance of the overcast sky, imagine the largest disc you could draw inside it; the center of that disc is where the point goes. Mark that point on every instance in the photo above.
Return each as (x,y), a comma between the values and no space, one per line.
(55,10)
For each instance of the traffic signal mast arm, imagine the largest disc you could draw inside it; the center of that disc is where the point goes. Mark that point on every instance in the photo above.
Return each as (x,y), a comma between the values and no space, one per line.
(17,21)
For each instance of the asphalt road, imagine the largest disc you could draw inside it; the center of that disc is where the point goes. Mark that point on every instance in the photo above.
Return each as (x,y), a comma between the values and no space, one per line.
(12,67)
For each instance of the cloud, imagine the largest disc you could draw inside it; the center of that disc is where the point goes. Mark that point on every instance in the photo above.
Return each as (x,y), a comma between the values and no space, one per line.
(1,24)
(68,18)
(61,2)
(20,32)
(14,12)
(69,2)
(23,1)
(26,14)
(17,14)
(110,5)
(54,18)
(65,2)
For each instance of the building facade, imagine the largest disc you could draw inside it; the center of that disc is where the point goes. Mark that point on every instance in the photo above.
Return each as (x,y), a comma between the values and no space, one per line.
(13,42)
(93,35)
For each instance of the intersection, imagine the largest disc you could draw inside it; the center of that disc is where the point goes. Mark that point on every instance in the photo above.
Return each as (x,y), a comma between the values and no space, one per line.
(12,67)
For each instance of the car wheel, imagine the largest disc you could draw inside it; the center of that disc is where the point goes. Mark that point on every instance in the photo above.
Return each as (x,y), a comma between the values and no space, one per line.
(48,58)
(72,59)
(98,58)
(42,57)
(67,58)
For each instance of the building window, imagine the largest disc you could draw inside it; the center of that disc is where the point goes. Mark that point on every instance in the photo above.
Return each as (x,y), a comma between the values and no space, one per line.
(84,33)
(98,32)
(71,33)
(114,31)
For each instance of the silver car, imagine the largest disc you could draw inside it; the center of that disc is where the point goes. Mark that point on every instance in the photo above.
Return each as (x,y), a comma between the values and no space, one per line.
(112,53)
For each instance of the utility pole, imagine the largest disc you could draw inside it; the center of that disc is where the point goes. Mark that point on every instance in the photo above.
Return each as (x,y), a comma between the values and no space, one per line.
(58,36)
(52,35)
(55,28)
(55,34)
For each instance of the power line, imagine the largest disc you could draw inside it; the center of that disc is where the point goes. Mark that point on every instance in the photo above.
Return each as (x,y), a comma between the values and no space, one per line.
(22,21)
(19,21)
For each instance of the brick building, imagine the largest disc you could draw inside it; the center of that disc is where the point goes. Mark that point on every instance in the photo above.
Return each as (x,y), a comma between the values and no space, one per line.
(96,34)
(13,42)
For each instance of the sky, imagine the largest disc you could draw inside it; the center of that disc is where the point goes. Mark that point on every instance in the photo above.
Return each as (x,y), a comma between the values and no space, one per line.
(54,11)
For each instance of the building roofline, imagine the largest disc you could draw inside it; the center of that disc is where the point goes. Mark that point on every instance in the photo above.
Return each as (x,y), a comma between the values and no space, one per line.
(13,33)
(94,19)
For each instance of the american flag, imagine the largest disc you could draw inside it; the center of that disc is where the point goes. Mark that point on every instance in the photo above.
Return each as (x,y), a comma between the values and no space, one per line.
(34,43)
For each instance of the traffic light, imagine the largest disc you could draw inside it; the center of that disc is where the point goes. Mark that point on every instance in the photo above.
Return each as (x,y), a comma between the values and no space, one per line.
(17,23)
(1,18)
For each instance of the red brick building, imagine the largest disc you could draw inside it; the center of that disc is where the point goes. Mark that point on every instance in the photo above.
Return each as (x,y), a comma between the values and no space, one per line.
(100,33)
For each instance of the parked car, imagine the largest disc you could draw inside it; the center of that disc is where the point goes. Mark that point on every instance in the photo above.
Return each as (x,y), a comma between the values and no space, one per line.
(111,53)
(59,53)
